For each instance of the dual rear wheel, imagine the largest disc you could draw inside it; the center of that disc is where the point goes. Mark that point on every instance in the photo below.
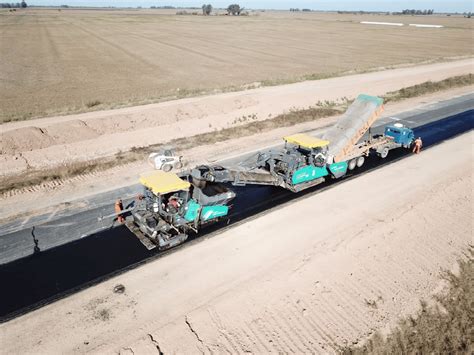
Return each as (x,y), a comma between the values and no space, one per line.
(356,162)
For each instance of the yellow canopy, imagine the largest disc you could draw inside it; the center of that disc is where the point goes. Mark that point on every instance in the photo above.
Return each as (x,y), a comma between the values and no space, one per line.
(306,141)
(161,182)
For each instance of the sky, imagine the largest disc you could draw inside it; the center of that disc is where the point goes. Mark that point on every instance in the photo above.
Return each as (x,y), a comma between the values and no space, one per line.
(325,5)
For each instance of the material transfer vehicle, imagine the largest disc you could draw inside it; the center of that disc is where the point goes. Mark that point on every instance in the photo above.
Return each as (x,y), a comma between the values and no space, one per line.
(173,206)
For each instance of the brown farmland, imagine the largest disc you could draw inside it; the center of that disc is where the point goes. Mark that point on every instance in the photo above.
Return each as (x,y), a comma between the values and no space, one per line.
(56,62)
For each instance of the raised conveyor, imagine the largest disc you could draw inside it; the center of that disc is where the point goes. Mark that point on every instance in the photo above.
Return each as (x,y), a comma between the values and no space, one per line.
(350,128)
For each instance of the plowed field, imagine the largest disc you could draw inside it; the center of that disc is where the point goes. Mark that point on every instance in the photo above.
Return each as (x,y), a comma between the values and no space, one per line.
(56,62)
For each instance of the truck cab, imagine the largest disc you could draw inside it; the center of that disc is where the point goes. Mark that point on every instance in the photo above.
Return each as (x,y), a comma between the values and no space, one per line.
(400,134)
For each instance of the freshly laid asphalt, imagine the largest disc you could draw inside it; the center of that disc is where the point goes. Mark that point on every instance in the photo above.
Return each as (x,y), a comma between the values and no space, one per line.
(75,249)
(58,228)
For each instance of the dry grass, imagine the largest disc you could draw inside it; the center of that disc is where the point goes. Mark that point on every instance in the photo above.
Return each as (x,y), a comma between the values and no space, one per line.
(429,87)
(88,60)
(65,171)
(445,328)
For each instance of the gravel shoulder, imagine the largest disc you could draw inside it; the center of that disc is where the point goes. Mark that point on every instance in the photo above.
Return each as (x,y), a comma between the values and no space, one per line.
(372,249)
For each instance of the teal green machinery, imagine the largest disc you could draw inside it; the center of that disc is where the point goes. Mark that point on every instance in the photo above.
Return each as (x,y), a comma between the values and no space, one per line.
(174,206)
(171,207)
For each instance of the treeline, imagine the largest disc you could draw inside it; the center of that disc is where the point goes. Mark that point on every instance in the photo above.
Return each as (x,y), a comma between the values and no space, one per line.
(16,5)
(233,9)
(360,12)
(417,12)
(297,10)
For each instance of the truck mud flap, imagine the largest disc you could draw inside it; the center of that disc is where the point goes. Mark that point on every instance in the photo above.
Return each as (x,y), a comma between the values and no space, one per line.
(141,237)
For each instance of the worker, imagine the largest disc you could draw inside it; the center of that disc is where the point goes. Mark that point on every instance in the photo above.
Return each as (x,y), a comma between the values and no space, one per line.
(173,204)
(417,146)
(118,211)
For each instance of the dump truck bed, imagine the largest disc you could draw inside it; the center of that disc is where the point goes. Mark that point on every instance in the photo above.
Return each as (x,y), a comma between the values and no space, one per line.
(350,128)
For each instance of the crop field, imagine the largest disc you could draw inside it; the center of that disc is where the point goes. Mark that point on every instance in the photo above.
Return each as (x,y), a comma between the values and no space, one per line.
(57,62)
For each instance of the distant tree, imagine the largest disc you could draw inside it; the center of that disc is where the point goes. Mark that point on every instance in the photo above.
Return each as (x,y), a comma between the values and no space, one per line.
(306,10)
(417,12)
(234,9)
(23,4)
(206,9)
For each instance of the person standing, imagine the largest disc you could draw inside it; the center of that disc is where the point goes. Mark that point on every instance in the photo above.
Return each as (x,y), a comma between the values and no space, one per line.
(417,146)
(118,211)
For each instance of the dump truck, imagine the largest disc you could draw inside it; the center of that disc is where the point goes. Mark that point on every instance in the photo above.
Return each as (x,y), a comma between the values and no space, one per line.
(173,206)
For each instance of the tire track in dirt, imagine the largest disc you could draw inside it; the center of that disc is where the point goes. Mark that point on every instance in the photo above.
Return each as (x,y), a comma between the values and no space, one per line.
(117,47)
(311,322)
(237,50)
(283,332)
(291,327)
(54,184)
(304,328)
(185,50)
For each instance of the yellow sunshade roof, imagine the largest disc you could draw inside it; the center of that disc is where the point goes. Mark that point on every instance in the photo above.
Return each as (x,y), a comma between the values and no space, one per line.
(161,182)
(306,141)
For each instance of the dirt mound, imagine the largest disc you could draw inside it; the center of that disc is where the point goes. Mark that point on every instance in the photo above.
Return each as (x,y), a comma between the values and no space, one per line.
(73,131)
(32,138)
(24,139)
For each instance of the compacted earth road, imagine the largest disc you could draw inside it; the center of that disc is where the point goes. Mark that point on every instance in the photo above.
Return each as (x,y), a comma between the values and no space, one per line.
(317,273)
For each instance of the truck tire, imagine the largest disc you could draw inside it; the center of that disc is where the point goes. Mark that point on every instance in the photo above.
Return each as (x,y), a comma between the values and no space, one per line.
(178,165)
(383,154)
(166,167)
(360,161)
(352,164)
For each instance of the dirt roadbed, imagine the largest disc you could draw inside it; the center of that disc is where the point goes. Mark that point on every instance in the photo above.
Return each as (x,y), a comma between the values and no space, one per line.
(315,274)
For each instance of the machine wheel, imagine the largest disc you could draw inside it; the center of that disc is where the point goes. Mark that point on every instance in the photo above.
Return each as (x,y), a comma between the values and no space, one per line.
(167,167)
(352,164)
(178,165)
(360,161)
(383,154)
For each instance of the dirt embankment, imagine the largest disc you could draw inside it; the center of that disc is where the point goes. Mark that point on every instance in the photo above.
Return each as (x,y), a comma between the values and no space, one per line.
(373,247)
(51,142)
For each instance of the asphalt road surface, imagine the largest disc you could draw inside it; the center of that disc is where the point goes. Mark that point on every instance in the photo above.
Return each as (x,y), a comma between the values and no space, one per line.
(77,250)
(68,225)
